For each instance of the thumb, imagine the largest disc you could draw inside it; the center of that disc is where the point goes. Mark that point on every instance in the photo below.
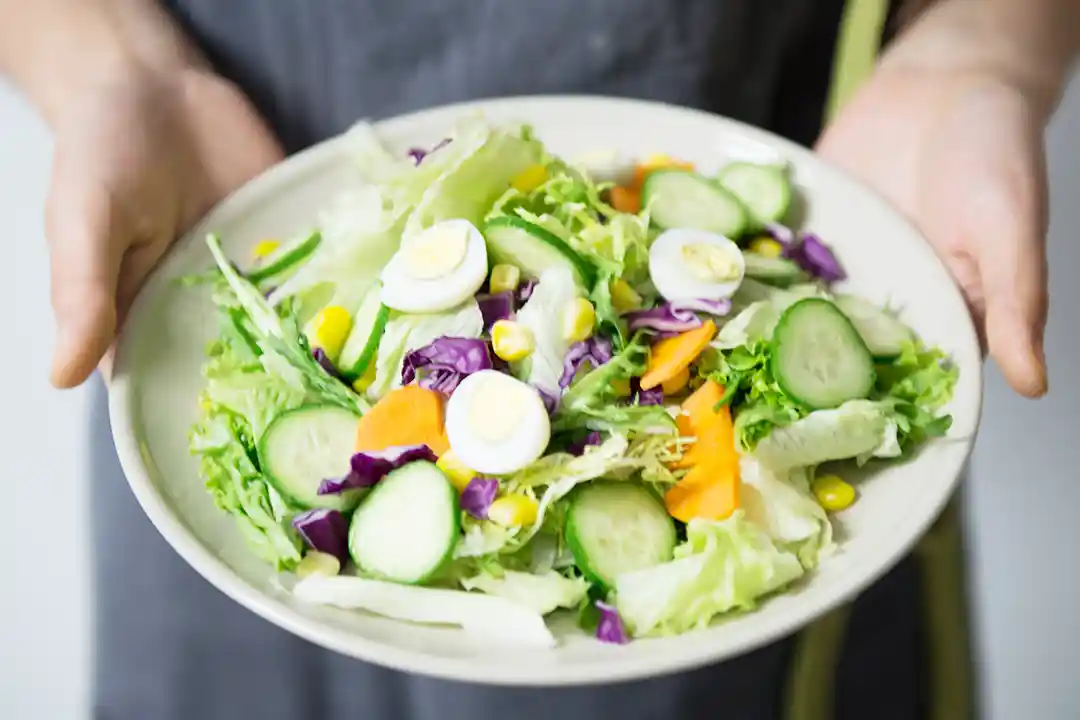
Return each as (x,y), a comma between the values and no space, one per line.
(1013,270)
(85,256)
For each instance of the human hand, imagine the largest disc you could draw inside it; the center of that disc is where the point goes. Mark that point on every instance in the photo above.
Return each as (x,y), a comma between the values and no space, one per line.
(958,147)
(138,159)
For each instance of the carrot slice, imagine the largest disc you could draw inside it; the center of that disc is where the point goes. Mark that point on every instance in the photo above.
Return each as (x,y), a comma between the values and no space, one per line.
(627,200)
(703,493)
(712,430)
(409,415)
(671,356)
(711,488)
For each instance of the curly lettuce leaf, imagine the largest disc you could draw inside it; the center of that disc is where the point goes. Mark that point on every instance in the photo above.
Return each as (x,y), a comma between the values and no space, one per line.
(722,567)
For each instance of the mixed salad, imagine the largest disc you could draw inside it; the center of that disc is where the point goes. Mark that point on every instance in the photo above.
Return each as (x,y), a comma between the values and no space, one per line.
(491,386)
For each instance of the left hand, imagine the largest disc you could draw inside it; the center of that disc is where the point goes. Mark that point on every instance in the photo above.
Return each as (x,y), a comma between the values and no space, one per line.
(960,152)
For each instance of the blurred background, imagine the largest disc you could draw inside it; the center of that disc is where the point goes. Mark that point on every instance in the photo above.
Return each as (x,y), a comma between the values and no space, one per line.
(1023,498)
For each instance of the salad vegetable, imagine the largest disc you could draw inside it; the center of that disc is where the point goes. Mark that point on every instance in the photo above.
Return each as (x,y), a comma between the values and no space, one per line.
(489,387)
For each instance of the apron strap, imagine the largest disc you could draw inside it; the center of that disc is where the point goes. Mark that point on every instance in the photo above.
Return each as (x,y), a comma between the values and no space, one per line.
(939,553)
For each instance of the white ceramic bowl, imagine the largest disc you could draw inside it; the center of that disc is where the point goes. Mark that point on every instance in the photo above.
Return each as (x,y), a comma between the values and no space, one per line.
(156,380)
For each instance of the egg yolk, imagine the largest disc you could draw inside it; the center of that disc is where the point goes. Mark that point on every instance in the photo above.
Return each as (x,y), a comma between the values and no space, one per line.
(436,252)
(497,409)
(709,263)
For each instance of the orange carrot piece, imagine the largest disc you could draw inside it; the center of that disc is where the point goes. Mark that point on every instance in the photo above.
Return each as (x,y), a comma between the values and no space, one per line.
(712,430)
(409,415)
(711,488)
(626,200)
(705,492)
(671,356)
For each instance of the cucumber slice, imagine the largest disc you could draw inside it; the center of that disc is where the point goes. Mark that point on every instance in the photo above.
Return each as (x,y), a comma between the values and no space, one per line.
(883,334)
(775,271)
(362,345)
(303,447)
(406,528)
(617,527)
(289,259)
(684,199)
(818,357)
(765,190)
(532,249)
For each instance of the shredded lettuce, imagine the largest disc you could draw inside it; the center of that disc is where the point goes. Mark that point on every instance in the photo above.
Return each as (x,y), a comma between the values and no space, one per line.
(722,566)
(592,402)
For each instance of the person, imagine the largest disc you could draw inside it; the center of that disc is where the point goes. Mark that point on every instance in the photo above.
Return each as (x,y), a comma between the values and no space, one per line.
(158,111)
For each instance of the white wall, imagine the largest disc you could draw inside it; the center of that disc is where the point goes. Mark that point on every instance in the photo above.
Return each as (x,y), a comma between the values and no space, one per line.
(1025,498)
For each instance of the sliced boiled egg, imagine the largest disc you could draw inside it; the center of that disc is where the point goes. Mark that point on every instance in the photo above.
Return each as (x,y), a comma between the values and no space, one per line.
(436,269)
(687,264)
(496,424)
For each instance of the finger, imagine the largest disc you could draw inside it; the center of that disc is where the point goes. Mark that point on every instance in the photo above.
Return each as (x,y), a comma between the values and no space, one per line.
(135,267)
(1014,282)
(84,265)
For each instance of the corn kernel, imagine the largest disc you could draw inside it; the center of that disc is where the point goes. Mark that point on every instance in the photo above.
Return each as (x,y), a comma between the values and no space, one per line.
(767,247)
(332,327)
(511,341)
(512,510)
(623,297)
(460,475)
(530,178)
(621,386)
(833,493)
(579,318)
(265,247)
(317,563)
(677,383)
(362,383)
(504,278)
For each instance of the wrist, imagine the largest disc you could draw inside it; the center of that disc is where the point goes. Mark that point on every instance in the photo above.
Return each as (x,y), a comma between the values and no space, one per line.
(1028,45)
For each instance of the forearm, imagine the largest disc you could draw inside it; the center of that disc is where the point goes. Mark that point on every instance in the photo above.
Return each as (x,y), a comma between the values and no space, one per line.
(1031,43)
(53,49)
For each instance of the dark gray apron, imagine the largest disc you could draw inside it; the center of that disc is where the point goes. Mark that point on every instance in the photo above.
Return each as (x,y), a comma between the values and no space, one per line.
(170,646)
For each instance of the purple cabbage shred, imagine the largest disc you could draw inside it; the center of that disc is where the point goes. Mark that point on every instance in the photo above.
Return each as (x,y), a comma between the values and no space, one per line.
(324,530)
(610,628)
(478,495)
(368,468)
(596,351)
(445,362)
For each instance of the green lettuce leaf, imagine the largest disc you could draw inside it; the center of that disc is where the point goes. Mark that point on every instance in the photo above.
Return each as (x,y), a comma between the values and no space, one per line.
(857,429)
(240,400)
(542,315)
(722,567)
(279,334)
(542,593)
(784,507)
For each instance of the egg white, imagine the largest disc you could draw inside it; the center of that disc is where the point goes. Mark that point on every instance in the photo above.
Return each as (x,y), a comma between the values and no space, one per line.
(522,441)
(405,292)
(674,281)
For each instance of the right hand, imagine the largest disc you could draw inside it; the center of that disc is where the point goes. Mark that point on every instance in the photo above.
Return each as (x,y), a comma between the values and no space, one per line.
(139,158)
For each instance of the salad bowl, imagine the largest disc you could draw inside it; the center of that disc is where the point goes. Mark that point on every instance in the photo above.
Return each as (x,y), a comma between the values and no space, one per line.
(158,381)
